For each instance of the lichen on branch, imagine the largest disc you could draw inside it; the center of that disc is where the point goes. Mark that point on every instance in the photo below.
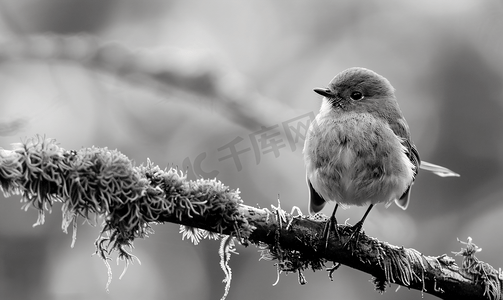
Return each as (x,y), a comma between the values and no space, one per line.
(99,182)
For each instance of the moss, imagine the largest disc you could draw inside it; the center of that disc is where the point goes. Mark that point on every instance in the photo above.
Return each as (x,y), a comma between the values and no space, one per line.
(99,182)
(291,260)
(479,270)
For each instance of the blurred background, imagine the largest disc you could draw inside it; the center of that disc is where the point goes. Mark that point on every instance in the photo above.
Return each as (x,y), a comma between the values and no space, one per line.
(224,89)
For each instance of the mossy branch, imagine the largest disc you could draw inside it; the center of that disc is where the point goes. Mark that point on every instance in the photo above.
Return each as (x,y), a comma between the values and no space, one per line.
(99,182)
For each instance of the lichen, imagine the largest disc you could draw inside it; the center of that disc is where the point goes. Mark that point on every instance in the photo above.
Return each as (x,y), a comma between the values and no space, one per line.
(289,260)
(227,248)
(397,264)
(95,183)
(479,270)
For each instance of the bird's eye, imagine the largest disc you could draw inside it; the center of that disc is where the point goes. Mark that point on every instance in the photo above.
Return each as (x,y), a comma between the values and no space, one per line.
(356,96)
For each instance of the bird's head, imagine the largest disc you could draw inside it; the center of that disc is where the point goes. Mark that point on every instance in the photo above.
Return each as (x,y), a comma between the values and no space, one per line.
(357,89)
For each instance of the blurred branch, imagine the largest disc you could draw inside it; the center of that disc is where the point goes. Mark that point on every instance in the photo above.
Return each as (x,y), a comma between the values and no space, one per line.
(102,182)
(169,73)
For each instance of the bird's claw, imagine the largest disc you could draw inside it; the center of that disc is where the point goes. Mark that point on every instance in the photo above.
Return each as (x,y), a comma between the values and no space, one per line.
(330,226)
(353,239)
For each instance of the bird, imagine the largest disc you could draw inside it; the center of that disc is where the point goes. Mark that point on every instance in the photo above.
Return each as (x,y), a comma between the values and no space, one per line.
(358,150)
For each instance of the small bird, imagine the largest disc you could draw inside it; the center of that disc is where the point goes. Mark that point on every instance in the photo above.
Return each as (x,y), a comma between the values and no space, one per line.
(358,150)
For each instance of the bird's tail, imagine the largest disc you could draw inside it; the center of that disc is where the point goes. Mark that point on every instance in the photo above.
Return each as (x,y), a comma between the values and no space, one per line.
(438,170)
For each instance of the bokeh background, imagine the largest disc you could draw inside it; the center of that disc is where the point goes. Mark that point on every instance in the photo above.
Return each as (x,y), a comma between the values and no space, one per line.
(179,82)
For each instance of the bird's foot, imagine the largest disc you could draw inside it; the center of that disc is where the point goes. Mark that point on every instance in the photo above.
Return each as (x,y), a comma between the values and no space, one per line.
(356,230)
(330,226)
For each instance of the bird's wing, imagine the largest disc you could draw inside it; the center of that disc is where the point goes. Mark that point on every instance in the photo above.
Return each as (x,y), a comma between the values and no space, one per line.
(413,155)
(316,202)
(403,202)
(401,129)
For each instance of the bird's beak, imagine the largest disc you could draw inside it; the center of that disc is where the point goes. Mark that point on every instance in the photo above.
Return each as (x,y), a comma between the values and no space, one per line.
(325,92)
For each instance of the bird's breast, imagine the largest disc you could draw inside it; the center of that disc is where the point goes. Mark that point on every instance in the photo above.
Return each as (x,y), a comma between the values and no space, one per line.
(355,158)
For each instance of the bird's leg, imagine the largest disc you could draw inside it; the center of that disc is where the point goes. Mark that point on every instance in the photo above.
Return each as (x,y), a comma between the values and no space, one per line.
(357,228)
(331,225)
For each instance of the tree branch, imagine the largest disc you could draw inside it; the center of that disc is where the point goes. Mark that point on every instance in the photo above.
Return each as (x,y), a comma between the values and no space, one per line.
(102,182)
